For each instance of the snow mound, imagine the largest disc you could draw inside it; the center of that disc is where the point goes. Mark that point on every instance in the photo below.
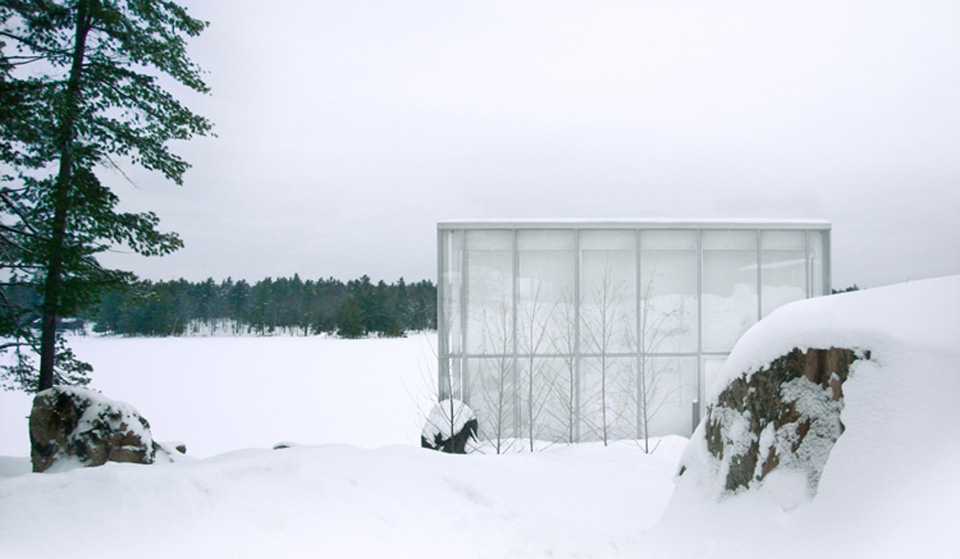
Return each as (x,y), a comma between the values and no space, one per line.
(345,502)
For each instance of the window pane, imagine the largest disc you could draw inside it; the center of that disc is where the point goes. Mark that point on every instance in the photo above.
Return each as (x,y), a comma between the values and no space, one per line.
(489,240)
(671,386)
(489,271)
(545,240)
(729,287)
(668,240)
(784,271)
(547,411)
(451,378)
(608,240)
(557,420)
(608,398)
(608,291)
(668,291)
(491,392)
(545,290)
(818,250)
(451,255)
(712,366)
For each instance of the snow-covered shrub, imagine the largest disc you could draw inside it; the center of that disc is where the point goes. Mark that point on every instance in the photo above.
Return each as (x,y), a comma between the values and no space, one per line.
(450,425)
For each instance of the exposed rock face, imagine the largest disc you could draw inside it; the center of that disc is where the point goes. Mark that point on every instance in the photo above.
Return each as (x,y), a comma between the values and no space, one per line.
(81,426)
(446,435)
(786,415)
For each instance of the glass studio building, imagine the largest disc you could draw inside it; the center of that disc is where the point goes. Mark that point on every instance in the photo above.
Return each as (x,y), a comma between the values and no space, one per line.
(569,331)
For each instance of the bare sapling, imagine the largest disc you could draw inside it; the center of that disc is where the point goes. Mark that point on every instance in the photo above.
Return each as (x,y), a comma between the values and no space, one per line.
(534,324)
(601,318)
(656,380)
(497,384)
(564,386)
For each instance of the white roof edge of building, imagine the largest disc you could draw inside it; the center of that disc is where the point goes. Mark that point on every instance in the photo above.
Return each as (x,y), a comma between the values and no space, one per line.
(819,224)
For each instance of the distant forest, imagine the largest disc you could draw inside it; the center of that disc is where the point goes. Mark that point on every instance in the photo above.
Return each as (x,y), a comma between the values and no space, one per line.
(354,309)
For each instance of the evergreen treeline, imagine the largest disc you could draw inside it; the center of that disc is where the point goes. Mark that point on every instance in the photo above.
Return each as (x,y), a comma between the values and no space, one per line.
(351,310)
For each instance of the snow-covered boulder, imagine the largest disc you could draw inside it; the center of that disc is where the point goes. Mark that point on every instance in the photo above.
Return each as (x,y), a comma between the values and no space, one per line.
(784,417)
(882,360)
(72,427)
(450,425)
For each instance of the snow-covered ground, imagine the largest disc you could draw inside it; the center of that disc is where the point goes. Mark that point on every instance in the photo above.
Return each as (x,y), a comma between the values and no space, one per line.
(219,394)
(359,486)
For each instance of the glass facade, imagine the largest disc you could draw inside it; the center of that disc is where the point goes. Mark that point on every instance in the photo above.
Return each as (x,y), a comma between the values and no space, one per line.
(581,331)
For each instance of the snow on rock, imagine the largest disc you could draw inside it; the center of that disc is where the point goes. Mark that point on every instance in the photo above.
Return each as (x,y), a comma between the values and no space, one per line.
(75,427)
(785,417)
(450,425)
(889,480)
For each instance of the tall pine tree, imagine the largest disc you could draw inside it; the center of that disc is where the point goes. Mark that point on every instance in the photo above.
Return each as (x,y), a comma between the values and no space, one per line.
(79,90)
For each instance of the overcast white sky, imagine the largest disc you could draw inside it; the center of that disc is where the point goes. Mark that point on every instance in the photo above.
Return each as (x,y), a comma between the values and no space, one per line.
(347,129)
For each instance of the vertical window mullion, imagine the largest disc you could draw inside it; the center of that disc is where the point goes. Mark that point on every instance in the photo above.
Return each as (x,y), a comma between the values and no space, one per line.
(515,274)
(576,332)
(759,279)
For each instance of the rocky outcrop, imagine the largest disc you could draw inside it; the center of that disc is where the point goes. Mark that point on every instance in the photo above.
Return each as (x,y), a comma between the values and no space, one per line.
(450,425)
(79,427)
(785,416)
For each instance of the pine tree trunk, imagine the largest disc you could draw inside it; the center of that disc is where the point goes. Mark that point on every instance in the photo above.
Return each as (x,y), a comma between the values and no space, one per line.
(53,283)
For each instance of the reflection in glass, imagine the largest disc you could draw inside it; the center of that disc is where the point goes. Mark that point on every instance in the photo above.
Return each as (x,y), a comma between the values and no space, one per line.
(608,291)
(729,287)
(817,241)
(545,287)
(783,271)
(489,292)
(450,281)
(668,291)
(606,399)
(492,395)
